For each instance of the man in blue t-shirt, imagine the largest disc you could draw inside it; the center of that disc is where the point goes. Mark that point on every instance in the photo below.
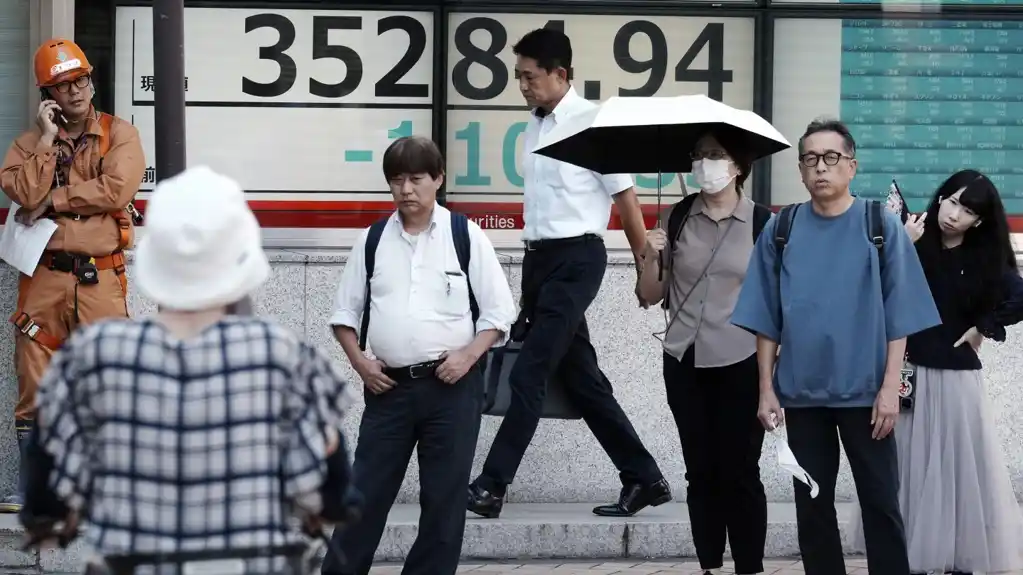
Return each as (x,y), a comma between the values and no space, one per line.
(841,308)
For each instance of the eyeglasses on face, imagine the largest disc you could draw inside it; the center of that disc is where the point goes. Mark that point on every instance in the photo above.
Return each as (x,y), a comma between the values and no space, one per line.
(810,159)
(80,82)
(708,155)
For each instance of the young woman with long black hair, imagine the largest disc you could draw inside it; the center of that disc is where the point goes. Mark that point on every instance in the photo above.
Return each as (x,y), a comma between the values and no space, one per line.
(955,494)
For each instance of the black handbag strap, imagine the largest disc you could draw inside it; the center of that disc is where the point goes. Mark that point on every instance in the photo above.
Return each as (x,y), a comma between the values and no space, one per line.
(680,215)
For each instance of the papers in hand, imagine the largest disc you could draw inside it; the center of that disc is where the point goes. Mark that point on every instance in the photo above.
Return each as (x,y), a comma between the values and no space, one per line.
(21,245)
(787,461)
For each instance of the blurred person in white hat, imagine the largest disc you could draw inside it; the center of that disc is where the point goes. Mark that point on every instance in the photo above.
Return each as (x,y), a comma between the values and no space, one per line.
(192,400)
(202,250)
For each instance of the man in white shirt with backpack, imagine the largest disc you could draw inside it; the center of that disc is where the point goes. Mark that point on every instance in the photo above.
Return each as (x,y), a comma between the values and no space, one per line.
(425,289)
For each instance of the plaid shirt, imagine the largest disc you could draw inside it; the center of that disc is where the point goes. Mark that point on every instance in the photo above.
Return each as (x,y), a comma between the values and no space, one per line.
(198,444)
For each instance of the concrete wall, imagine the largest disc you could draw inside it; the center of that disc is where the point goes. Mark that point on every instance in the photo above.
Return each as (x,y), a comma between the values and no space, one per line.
(46,19)
(564,462)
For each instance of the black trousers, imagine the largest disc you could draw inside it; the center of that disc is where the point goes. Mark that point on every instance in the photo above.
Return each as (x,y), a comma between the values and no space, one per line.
(813,435)
(441,422)
(715,410)
(558,284)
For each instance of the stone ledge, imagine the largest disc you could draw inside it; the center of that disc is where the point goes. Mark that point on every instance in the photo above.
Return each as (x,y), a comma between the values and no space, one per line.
(525,531)
(329,257)
(508,256)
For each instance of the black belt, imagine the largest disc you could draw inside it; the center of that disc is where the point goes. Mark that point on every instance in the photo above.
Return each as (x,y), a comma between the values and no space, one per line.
(70,262)
(534,245)
(417,371)
(63,261)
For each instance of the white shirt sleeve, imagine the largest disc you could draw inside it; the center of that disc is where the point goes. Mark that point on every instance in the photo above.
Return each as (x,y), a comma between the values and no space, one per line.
(489,285)
(351,292)
(615,184)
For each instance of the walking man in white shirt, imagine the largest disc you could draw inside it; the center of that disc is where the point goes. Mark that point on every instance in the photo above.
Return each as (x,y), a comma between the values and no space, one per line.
(438,300)
(566,212)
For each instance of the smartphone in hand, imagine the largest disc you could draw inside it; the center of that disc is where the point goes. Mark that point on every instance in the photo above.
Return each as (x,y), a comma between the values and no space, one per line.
(896,202)
(59,118)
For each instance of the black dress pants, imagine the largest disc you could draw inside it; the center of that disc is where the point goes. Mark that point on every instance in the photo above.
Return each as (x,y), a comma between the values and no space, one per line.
(558,284)
(441,421)
(715,410)
(813,436)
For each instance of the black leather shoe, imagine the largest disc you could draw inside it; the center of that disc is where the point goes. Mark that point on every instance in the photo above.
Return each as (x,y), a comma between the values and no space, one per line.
(484,503)
(636,497)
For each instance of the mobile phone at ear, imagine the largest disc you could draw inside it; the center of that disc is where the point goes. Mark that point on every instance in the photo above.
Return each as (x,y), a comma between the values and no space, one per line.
(59,117)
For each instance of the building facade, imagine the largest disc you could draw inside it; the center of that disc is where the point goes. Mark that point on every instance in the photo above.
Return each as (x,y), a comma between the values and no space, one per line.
(24,24)
(296,99)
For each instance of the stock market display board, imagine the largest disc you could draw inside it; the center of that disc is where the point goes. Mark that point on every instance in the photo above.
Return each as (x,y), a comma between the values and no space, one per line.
(927,98)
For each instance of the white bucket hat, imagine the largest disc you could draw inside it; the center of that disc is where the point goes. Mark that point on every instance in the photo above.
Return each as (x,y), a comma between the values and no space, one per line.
(202,246)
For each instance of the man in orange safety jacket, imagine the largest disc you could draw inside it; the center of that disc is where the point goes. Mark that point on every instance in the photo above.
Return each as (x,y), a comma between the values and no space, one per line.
(80,168)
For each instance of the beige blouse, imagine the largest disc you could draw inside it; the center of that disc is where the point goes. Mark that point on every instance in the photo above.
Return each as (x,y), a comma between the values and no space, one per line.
(705,319)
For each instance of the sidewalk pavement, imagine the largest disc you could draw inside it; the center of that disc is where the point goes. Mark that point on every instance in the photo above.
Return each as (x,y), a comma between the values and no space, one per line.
(855,565)
(543,534)
(529,539)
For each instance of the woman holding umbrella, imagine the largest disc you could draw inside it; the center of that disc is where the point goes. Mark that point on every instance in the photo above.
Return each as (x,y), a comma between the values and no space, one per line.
(710,365)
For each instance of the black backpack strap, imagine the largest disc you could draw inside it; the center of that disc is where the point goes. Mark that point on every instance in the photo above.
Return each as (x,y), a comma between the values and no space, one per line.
(875,229)
(372,241)
(761,215)
(678,216)
(676,219)
(782,231)
(463,247)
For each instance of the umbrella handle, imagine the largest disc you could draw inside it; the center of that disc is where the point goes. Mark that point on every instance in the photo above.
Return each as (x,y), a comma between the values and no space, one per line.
(660,255)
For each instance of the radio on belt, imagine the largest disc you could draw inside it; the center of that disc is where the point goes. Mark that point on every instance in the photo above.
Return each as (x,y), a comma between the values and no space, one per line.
(87,273)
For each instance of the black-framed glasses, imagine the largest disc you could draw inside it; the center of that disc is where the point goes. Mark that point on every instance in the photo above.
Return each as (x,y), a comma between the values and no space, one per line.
(708,155)
(810,159)
(80,82)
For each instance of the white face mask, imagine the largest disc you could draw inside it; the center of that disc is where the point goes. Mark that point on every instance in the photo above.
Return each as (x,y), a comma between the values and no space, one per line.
(712,175)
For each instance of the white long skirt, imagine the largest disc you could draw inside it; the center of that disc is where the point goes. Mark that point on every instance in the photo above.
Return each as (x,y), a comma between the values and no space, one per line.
(955,493)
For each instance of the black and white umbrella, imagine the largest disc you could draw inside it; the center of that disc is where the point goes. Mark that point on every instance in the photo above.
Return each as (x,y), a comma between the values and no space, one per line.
(626,135)
(653,134)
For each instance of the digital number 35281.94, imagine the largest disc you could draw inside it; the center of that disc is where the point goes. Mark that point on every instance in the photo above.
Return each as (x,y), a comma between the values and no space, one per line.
(390,84)
(712,37)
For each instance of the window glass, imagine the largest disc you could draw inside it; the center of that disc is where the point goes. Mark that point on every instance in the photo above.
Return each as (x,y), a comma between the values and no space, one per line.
(15,74)
(914,5)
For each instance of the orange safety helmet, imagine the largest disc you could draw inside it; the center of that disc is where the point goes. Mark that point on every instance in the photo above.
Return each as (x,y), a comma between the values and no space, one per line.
(59,60)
